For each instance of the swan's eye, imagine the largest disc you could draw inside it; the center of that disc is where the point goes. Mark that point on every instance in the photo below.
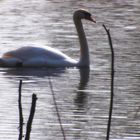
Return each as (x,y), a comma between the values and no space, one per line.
(87,15)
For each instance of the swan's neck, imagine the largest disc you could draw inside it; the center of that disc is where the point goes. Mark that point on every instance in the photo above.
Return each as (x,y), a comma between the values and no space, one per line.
(84,53)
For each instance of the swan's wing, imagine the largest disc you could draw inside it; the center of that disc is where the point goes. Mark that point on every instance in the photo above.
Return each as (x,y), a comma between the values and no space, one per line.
(26,53)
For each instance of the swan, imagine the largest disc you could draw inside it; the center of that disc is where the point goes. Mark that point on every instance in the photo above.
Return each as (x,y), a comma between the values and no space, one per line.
(49,57)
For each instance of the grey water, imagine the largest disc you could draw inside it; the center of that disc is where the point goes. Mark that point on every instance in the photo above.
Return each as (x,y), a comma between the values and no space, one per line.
(82,95)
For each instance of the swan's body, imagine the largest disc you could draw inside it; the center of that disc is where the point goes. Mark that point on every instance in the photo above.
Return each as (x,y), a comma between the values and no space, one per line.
(37,57)
(49,57)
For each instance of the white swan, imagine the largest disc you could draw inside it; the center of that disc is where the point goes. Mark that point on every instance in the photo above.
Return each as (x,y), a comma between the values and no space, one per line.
(49,57)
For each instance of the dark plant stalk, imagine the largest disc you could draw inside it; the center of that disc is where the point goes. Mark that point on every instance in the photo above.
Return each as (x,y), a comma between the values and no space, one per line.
(31,116)
(112,82)
(20,113)
(57,110)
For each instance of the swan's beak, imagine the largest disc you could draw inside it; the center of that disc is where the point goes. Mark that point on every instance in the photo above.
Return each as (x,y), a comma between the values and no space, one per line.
(92,19)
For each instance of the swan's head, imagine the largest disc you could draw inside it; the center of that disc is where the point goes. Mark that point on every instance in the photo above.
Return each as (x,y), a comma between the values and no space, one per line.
(83,14)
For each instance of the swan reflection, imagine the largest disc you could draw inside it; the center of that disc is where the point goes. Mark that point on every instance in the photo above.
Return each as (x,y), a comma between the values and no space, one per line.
(80,112)
(81,95)
(34,72)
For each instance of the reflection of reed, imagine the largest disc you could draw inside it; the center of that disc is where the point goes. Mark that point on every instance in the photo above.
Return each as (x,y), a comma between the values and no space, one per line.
(31,116)
(57,110)
(112,82)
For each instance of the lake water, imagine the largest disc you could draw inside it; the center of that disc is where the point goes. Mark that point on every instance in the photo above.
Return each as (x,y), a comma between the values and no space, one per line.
(82,95)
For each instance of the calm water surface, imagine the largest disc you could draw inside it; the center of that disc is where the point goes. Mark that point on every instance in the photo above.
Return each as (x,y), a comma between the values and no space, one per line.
(82,95)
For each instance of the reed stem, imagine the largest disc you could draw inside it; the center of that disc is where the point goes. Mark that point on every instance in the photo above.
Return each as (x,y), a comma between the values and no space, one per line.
(112,83)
